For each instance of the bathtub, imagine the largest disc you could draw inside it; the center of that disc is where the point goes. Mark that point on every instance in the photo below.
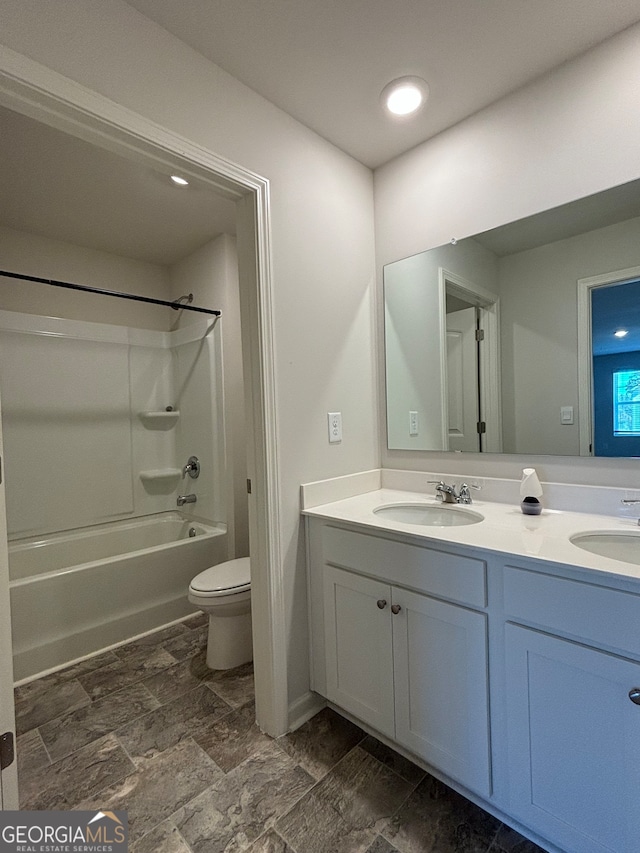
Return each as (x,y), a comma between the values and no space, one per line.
(77,592)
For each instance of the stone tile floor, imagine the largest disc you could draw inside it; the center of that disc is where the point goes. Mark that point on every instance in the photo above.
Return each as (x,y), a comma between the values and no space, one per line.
(149,729)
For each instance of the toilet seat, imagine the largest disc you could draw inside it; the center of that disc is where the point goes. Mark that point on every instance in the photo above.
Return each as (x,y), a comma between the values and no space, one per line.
(229,578)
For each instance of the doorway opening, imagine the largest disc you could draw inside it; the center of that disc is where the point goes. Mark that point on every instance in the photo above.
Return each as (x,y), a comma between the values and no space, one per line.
(60,103)
(609,364)
(470,354)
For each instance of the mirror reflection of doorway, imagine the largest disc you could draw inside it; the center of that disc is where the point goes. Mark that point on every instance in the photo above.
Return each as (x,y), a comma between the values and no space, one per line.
(470,354)
(615,353)
(463,379)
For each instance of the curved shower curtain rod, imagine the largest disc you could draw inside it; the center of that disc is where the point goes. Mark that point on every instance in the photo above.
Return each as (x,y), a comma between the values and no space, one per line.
(177,304)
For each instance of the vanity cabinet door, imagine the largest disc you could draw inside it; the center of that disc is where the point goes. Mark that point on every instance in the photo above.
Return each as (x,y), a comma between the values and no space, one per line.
(573,742)
(441,684)
(358,646)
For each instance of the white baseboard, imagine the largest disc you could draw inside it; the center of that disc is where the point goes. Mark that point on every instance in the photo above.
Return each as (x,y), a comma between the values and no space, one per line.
(304,708)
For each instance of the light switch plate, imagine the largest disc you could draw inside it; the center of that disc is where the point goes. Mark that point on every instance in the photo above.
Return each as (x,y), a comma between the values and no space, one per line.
(413,423)
(566,414)
(335,427)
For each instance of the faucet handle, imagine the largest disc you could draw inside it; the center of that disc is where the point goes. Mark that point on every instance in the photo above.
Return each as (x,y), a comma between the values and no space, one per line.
(439,484)
(192,468)
(465,492)
(629,502)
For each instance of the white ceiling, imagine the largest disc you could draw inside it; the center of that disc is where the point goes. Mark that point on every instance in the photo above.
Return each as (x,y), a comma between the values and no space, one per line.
(61,187)
(609,207)
(325,62)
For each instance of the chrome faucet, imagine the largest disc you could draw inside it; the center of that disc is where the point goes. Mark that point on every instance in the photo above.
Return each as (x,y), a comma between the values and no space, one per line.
(186,499)
(447,494)
(628,501)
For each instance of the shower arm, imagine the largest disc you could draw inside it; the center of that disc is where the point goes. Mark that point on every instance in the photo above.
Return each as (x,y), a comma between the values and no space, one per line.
(177,305)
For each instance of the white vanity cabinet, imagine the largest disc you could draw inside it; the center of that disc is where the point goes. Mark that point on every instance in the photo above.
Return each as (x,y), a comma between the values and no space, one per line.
(358,647)
(410,664)
(573,732)
(516,678)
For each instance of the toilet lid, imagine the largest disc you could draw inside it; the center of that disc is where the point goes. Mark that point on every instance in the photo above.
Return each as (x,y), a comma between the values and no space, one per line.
(234,575)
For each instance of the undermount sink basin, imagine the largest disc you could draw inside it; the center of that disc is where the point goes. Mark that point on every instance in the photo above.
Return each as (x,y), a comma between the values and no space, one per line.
(428,515)
(618,545)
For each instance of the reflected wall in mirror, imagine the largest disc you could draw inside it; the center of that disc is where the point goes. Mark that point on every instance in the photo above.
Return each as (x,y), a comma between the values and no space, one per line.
(530,292)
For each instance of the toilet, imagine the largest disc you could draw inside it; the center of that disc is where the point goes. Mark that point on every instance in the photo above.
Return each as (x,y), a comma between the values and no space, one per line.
(223,592)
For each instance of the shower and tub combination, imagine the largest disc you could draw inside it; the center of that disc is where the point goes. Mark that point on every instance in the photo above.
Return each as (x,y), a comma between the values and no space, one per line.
(114,462)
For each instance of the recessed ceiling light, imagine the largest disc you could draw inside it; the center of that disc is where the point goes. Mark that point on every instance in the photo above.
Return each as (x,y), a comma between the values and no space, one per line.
(181,182)
(621,333)
(405,96)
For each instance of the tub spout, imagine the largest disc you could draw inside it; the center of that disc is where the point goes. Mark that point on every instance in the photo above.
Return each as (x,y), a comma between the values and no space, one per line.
(186,499)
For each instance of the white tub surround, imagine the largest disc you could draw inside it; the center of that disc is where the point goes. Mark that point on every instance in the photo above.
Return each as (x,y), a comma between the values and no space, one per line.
(94,465)
(88,438)
(78,592)
(498,655)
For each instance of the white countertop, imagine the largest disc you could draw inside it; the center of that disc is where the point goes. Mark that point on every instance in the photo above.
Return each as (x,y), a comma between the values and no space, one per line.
(504,529)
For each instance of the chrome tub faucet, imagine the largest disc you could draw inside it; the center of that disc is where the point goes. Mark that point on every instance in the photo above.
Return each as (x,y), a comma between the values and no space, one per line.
(186,499)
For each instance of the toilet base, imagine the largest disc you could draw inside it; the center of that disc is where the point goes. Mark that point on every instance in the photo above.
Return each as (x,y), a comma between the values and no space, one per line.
(230,642)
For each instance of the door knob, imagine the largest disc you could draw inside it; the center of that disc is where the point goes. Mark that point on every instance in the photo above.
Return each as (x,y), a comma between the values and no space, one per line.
(381,603)
(634,694)
(395,609)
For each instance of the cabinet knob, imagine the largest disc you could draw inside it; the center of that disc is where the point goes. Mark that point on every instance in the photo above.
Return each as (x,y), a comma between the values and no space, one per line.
(634,695)
(395,609)
(381,603)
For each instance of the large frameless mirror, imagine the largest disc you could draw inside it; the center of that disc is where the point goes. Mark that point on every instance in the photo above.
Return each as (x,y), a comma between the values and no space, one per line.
(522,339)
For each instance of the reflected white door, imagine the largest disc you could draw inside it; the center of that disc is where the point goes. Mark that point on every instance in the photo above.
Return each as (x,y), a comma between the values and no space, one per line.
(462,380)
(8,777)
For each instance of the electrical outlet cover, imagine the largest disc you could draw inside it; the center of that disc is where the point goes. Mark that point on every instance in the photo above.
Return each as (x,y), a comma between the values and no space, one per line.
(335,427)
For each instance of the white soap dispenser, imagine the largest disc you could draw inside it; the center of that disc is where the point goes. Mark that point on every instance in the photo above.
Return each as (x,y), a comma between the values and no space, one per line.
(530,492)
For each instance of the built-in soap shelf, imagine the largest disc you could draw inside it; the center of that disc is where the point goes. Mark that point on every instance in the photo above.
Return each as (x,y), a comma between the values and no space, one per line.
(159,420)
(157,474)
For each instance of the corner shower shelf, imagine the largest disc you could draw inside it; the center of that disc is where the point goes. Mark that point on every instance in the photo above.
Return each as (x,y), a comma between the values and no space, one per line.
(159,420)
(160,474)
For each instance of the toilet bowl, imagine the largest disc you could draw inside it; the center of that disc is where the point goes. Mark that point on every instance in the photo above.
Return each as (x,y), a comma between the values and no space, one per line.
(223,592)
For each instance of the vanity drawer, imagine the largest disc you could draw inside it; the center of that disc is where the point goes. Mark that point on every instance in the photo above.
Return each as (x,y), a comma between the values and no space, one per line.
(604,617)
(432,571)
